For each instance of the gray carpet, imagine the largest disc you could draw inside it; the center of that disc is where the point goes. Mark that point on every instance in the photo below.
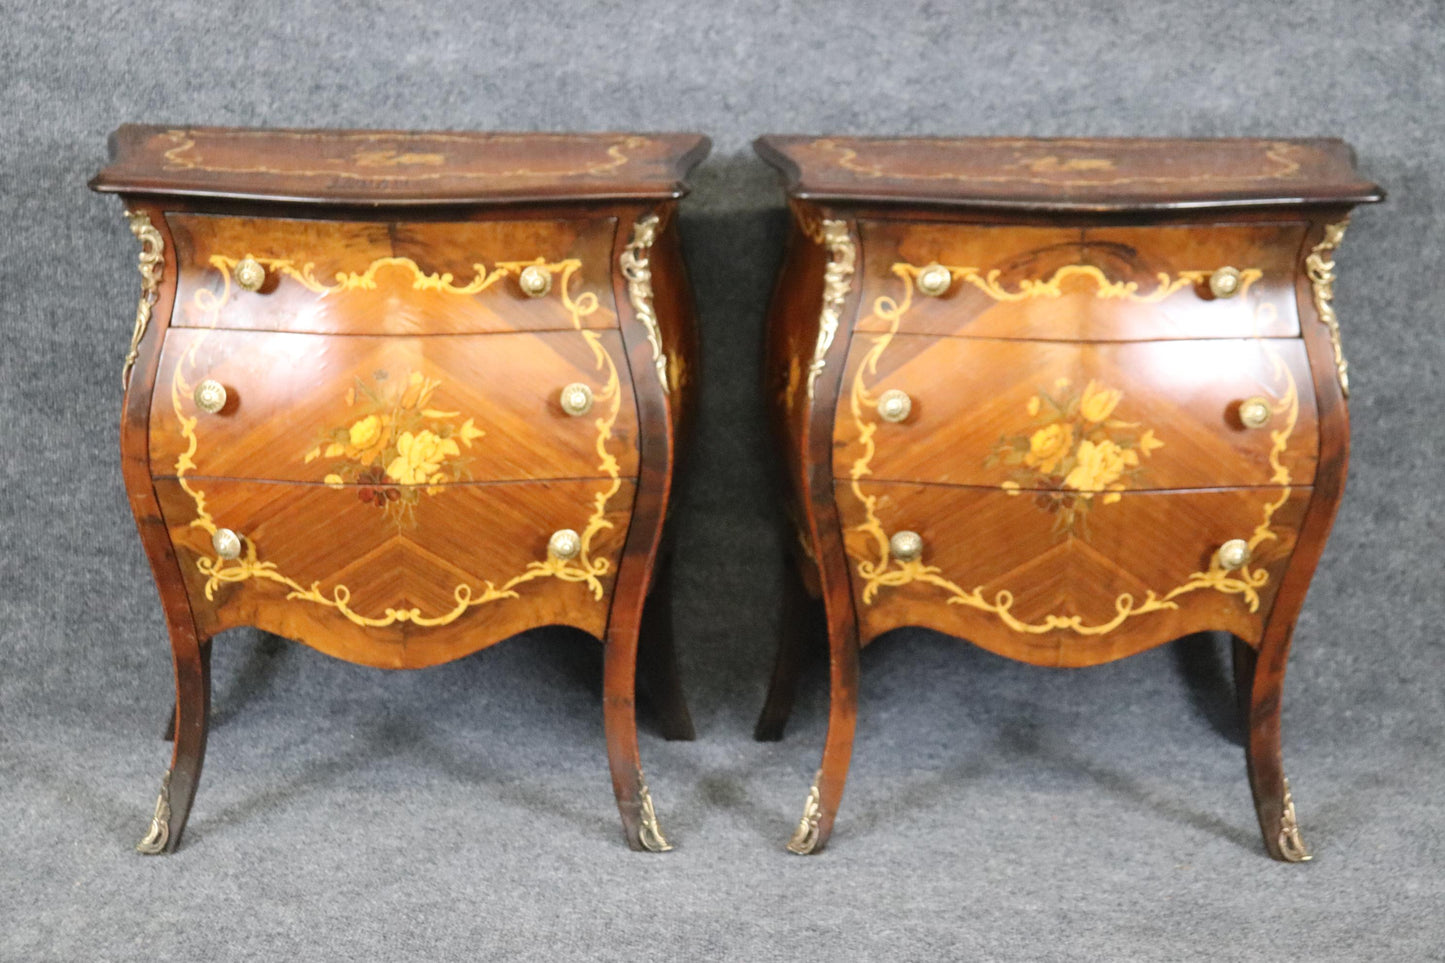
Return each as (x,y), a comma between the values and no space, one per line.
(995,811)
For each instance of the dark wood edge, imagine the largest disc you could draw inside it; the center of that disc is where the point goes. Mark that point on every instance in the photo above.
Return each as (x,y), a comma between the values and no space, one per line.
(825,530)
(767,148)
(682,166)
(135,434)
(640,554)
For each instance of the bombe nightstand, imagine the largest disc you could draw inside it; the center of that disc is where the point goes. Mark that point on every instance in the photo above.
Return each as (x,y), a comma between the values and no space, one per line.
(401,396)
(1067,399)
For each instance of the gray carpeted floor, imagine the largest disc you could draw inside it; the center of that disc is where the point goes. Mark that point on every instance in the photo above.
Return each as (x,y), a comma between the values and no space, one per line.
(995,811)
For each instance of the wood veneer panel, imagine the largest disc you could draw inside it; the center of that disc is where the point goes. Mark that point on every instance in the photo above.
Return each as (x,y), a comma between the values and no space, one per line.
(1089,284)
(1019,413)
(304,407)
(386,168)
(987,543)
(314,545)
(373,277)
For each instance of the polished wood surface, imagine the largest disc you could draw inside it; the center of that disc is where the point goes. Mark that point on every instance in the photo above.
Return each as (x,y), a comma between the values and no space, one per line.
(395,572)
(305,408)
(1072,460)
(1009,413)
(1073,173)
(390,277)
(1087,283)
(393,168)
(393,455)
(1013,571)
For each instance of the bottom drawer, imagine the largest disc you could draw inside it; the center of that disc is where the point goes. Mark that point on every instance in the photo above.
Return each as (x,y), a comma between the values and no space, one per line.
(1055,578)
(397,577)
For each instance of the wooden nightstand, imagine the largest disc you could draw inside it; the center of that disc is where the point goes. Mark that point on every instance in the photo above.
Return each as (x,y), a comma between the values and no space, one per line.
(1067,399)
(401,396)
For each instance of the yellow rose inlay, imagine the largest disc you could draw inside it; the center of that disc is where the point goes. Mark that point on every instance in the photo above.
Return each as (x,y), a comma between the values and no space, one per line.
(1098,402)
(1048,446)
(1074,451)
(419,456)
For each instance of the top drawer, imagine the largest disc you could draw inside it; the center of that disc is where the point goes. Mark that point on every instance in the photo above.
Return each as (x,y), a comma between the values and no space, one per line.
(373,277)
(1080,284)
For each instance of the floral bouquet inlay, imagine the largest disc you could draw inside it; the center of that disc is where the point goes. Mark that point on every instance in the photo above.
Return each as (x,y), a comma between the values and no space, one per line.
(1074,450)
(396,448)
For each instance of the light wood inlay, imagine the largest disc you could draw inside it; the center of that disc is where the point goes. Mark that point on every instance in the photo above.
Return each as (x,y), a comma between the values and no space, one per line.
(288,395)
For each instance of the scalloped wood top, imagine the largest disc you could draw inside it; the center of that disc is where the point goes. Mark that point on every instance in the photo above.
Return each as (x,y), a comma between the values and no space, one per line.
(1070,174)
(396,168)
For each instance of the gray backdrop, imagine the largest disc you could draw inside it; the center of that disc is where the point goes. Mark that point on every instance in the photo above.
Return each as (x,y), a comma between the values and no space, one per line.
(995,811)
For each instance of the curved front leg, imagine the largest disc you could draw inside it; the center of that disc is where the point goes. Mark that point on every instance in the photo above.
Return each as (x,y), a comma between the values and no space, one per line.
(827,793)
(192,658)
(619,714)
(1263,674)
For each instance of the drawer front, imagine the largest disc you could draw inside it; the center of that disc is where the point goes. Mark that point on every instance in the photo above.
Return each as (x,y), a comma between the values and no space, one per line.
(1044,578)
(1091,284)
(372,277)
(446,573)
(393,412)
(1096,418)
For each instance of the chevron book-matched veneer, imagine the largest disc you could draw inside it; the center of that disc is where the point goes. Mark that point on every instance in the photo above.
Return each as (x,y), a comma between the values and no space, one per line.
(401,396)
(1067,399)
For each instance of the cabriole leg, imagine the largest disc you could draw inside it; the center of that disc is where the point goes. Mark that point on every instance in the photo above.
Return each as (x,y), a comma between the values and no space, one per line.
(824,798)
(1273,801)
(192,657)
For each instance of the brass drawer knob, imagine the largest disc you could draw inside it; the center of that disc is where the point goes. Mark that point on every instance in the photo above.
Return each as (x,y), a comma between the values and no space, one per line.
(1254,412)
(535,281)
(894,405)
(935,280)
(226,543)
(906,546)
(564,544)
(250,274)
(210,396)
(1233,554)
(1224,283)
(576,399)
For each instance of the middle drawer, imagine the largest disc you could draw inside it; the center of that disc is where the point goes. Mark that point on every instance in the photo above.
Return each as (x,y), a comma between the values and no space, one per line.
(381,411)
(1077,416)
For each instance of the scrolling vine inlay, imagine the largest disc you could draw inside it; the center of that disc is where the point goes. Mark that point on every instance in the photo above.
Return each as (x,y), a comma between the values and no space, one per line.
(887,571)
(581,568)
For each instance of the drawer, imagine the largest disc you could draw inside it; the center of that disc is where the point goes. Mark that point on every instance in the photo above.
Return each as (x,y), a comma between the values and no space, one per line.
(1091,284)
(430,577)
(387,412)
(374,277)
(1054,580)
(1095,417)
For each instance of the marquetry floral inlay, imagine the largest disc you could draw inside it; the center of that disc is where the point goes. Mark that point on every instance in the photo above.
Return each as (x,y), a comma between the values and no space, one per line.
(1075,449)
(1054,449)
(410,448)
(396,445)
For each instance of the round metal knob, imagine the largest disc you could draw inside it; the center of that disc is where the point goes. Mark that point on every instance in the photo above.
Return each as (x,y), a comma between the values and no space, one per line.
(564,544)
(906,546)
(535,281)
(1233,554)
(1254,412)
(226,543)
(1224,283)
(210,396)
(576,399)
(935,280)
(894,405)
(250,274)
